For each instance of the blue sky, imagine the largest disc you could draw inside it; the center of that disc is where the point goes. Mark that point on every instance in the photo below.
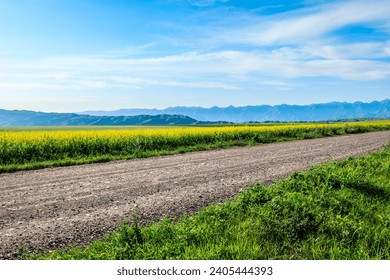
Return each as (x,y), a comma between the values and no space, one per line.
(75,55)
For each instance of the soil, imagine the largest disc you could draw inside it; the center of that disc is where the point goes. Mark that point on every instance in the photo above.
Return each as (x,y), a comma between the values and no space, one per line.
(52,208)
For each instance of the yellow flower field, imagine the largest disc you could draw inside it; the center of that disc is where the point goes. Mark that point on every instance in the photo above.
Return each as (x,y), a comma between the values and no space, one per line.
(22,149)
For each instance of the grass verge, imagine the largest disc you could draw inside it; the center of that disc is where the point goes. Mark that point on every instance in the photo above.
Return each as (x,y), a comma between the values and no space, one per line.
(335,211)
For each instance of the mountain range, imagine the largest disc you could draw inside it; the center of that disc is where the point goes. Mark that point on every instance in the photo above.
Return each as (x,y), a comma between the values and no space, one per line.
(198,115)
(261,113)
(31,118)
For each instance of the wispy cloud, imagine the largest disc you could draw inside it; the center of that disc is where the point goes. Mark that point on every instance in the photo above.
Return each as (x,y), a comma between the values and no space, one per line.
(192,70)
(273,49)
(308,24)
(130,51)
(30,86)
(204,3)
(365,50)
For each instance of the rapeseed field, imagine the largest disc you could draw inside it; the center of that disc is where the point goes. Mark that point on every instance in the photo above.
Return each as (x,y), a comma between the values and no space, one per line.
(42,148)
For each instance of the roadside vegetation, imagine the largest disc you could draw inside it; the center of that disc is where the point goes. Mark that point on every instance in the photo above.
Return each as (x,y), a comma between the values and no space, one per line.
(22,150)
(332,211)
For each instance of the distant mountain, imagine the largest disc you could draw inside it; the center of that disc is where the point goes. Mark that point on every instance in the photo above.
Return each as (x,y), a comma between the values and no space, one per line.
(199,115)
(314,112)
(31,118)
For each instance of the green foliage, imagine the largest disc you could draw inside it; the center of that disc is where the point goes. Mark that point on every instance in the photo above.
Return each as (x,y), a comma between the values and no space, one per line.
(335,211)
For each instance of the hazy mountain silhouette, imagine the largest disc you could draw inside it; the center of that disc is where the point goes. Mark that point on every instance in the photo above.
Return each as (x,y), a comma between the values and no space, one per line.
(31,118)
(199,115)
(314,112)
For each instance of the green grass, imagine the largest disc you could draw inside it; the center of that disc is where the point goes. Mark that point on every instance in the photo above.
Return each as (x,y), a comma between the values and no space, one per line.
(334,211)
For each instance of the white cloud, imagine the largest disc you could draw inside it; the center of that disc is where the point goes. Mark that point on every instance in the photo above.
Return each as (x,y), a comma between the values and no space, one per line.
(139,83)
(204,3)
(225,70)
(277,47)
(130,51)
(308,24)
(367,50)
(30,86)
(279,85)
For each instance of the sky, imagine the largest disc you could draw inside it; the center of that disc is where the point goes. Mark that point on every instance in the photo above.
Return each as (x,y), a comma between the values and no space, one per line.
(77,55)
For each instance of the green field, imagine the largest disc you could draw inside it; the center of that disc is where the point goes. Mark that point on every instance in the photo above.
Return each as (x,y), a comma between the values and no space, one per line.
(334,211)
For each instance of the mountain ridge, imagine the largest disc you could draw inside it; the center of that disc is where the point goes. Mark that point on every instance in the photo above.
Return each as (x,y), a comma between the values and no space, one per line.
(197,115)
(260,113)
(32,118)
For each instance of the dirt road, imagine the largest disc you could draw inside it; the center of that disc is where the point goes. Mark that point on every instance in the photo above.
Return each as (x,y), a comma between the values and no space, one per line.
(47,209)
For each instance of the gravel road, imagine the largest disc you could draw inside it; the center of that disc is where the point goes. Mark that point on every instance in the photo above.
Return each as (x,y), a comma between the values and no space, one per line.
(54,207)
